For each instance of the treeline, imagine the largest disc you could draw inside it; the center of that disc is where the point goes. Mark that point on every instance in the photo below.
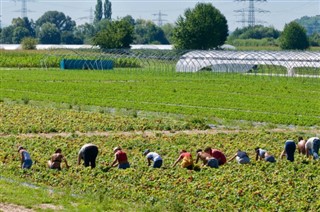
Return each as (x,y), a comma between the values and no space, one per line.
(266,36)
(55,27)
(189,31)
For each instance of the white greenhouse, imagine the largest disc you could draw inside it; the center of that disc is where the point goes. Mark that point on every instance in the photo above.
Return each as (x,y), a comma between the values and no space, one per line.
(243,61)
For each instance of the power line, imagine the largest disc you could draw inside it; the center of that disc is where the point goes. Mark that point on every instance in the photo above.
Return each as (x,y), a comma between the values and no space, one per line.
(24,9)
(251,11)
(90,17)
(159,18)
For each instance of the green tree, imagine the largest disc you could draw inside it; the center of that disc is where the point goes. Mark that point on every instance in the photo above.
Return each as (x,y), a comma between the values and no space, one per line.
(255,32)
(107,10)
(146,32)
(7,34)
(130,19)
(294,37)
(49,34)
(85,32)
(204,27)
(19,33)
(71,38)
(59,19)
(315,39)
(98,12)
(118,34)
(168,31)
(25,23)
(311,24)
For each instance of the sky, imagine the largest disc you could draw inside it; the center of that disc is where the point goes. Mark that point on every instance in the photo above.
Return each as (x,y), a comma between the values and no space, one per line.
(278,12)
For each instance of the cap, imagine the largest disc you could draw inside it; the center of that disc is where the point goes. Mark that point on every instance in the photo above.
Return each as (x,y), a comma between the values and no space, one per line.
(19,148)
(146,151)
(116,149)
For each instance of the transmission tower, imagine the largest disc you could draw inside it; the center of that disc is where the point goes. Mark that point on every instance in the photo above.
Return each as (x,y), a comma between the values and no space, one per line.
(24,9)
(251,10)
(159,18)
(90,17)
(243,16)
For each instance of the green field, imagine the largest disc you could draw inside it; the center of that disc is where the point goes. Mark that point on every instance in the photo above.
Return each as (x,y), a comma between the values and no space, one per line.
(216,97)
(46,109)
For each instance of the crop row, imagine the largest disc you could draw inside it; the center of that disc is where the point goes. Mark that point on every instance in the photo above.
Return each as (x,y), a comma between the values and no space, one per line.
(280,101)
(262,186)
(31,119)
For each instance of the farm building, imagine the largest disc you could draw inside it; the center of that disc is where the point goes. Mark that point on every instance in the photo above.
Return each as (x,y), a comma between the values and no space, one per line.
(243,61)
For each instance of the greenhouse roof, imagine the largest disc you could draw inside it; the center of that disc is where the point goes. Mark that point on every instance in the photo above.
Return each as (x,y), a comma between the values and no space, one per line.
(194,61)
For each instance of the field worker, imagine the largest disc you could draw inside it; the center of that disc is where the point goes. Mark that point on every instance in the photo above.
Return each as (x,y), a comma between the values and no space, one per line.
(312,147)
(26,161)
(153,156)
(120,159)
(217,154)
(301,146)
(264,155)
(88,153)
(207,159)
(56,160)
(289,149)
(241,157)
(187,161)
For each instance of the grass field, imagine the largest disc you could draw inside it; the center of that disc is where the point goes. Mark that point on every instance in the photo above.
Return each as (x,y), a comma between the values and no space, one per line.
(165,112)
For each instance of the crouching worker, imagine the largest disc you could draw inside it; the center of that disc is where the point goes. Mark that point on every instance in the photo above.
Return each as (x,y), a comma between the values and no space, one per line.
(289,149)
(153,156)
(301,146)
(26,161)
(56,160)
(312,147)
(120,159)
(187,161)
(217,154)
(264,155)
(207,159)
(241,157)
(88,153)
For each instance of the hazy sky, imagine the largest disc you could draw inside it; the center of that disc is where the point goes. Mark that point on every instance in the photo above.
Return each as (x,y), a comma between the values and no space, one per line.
(280,11)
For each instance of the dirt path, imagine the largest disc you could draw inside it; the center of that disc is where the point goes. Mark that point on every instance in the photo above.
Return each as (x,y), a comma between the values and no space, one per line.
(155,133)
(8,207)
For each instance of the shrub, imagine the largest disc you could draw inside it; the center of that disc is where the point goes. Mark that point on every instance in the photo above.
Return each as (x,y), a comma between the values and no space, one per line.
(29,43)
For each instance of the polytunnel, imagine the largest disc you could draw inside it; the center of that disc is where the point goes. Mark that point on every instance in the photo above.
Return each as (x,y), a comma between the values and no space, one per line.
(244,61)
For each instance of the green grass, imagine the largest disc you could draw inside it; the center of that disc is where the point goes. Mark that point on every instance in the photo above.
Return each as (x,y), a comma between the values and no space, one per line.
(290,101)
(22,194)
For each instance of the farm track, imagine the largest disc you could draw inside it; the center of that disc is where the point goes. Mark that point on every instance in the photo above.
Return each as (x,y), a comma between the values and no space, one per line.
(6,207)
(155,133)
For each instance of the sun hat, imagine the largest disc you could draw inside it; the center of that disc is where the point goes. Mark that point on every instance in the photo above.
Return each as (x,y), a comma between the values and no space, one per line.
(116,149)
(146,151)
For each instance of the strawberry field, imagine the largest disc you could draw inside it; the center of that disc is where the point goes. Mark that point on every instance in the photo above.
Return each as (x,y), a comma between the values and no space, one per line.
(260,185)
(163,111)
(289,101)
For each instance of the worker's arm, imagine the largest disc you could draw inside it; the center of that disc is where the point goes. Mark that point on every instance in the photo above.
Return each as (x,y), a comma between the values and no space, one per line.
(175,163)
(114,163)
(232,158)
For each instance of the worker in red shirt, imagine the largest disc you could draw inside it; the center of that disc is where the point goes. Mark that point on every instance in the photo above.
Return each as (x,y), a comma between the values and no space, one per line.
(120,159)
(216,154)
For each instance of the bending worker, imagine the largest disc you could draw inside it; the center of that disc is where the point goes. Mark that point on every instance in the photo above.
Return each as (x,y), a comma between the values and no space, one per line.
(88,153)
(187,161)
